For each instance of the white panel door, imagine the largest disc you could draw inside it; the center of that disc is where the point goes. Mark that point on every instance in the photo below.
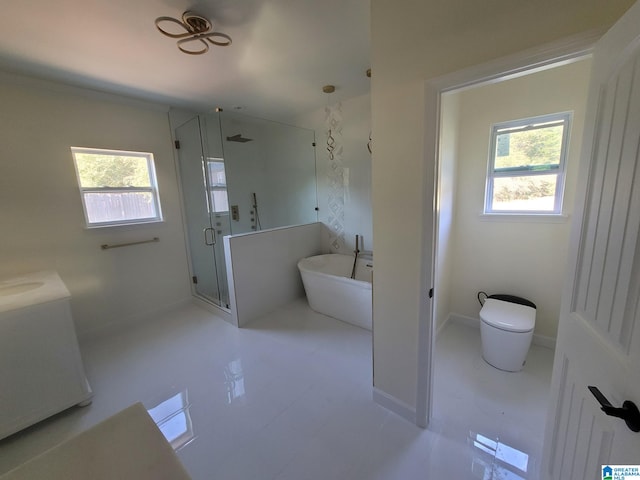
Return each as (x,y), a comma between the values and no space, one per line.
(599,333)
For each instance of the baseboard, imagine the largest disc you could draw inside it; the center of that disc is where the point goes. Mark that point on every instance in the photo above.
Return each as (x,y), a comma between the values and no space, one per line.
(540,340)
(464,320)
(442,326)
(116,326)
(393,404)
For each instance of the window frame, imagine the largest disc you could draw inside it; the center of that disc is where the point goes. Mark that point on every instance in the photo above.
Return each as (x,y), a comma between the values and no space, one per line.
(215,187)
(522,125)
(152,188)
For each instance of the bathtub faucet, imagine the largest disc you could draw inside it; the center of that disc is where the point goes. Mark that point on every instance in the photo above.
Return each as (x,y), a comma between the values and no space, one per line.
(355,259)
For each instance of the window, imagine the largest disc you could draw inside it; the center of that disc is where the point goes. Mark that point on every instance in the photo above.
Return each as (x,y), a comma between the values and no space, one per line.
(218,201)
(117,188)
(527,165)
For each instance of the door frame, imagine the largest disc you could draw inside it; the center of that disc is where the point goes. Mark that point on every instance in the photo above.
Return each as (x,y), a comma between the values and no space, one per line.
(561,52)
(177,119)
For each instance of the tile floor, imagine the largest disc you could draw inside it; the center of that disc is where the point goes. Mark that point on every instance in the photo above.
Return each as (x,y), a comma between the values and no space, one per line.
(290,398)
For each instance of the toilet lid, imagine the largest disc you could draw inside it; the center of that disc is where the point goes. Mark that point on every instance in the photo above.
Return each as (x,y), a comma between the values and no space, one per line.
(508,316)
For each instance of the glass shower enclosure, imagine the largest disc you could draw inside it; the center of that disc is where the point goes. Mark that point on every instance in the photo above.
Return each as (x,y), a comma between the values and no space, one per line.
(202,176)
(240,174)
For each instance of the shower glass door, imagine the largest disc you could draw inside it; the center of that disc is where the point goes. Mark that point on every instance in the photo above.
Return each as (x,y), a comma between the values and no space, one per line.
(217,198)
(201,216)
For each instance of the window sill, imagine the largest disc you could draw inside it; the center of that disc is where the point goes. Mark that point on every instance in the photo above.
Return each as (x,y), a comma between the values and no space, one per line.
(124,224)
(524,217)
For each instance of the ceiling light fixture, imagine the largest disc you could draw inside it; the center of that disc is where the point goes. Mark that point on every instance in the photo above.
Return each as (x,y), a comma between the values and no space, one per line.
(198,29)
(331,141)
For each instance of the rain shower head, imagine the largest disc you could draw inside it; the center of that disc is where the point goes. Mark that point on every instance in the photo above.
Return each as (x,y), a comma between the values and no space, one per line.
(238,138)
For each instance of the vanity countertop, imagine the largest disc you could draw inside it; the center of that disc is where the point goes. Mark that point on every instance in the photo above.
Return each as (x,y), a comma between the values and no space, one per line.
(31,289)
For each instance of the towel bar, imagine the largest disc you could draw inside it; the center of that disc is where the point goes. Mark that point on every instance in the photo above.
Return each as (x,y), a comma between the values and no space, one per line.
(118,245)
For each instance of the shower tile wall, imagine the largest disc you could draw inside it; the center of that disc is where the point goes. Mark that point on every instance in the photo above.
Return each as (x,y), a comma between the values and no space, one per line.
(344,185)
(336,176)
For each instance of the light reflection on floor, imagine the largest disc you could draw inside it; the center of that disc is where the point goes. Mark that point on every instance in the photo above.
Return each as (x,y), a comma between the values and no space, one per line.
(506,462)
(290,398)
(234,380)
(174,420)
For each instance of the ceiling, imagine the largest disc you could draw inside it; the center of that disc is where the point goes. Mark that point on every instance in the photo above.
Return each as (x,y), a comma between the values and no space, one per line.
(283,51)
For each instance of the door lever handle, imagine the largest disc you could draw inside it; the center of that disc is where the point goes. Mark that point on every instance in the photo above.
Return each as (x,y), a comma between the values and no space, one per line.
(628,412)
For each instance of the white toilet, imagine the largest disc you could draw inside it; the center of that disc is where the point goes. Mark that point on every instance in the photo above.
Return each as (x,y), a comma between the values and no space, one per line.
(506,331)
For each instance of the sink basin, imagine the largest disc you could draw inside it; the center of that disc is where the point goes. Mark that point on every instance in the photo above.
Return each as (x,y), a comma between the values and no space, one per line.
(31,289)
(19,288)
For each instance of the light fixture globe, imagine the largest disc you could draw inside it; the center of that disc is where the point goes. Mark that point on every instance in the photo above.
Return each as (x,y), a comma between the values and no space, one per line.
(196,23)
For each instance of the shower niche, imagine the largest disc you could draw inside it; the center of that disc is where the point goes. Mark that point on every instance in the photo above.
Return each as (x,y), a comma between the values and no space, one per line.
(238,175)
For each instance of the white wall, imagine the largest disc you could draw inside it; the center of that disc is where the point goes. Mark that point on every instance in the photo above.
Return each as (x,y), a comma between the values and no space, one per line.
(41,215)
(518,255)
(447,177)
(263,268)
(356,126)
(412,42)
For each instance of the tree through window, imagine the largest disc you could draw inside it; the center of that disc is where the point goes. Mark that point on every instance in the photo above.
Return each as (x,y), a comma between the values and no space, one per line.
(117,187)
(527,165)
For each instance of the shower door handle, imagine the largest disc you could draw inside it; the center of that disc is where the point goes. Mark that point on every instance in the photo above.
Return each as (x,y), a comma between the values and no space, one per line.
(206,237)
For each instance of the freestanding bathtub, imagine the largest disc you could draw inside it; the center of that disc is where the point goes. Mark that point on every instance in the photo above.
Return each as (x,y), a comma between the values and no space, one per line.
(332,292)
